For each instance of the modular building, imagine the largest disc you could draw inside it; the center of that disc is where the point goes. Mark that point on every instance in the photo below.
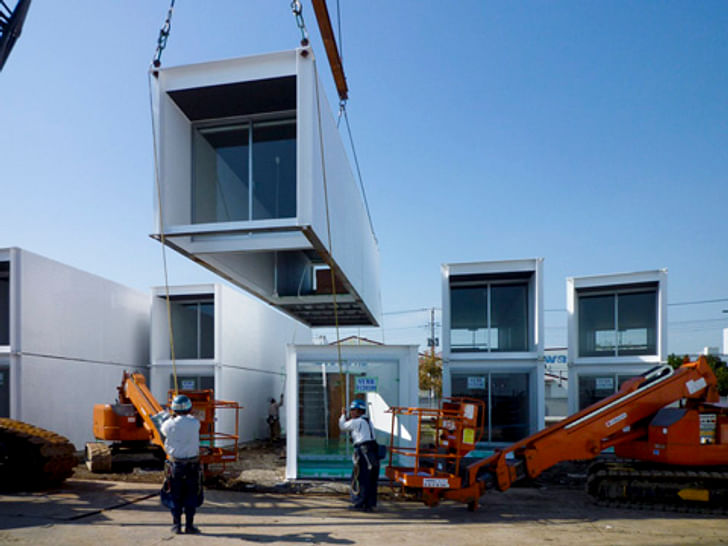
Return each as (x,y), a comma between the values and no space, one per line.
(324,378)
(255,184)
(66,337)
(223,340)
(492,330)
(617,329)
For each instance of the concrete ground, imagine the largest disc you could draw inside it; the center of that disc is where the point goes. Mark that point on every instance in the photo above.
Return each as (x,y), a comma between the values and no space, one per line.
(108,513)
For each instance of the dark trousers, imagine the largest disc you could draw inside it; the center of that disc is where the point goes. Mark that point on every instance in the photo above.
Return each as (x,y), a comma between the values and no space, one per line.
(365,475)
(182,490)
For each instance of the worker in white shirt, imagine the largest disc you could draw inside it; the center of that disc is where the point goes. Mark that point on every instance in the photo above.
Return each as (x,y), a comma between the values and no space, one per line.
(182,490)
(366,458)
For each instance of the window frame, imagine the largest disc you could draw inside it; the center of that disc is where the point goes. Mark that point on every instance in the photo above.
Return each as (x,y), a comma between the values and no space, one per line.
(615,292)
(198,301)
(488,285)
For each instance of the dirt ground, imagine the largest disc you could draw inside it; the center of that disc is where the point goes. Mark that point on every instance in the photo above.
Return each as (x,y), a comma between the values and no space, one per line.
(252,506)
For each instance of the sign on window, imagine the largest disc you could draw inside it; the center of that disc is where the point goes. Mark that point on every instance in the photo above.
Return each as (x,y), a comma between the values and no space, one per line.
(365,384)
(605,384)
(476,383)
(188,384)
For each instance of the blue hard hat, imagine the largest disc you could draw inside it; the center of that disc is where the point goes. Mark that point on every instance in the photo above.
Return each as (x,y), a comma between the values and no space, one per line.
(359,404)
(181,403)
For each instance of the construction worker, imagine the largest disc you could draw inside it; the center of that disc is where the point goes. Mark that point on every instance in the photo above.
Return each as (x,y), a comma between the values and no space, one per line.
(365,473)
(274,420)
(182,490)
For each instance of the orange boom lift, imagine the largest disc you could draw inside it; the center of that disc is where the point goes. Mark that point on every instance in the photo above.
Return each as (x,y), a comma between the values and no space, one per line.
(666,422)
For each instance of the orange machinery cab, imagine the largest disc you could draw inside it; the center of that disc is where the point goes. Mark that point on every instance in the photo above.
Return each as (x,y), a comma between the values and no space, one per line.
(695,436)
(119,423)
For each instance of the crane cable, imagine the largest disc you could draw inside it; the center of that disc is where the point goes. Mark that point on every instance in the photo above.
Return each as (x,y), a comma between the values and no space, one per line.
(156,62)
(297,10)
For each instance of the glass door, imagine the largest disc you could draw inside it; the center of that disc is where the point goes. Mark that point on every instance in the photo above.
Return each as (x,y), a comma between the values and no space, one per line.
(323,389)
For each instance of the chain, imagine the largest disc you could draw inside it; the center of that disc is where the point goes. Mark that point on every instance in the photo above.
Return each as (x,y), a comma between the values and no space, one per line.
(297,10)
(163,36)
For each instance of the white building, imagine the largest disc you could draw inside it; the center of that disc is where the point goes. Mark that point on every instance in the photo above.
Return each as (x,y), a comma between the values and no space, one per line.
(256,186)
(227,341)
(617,329)
(492,330)
(66,336)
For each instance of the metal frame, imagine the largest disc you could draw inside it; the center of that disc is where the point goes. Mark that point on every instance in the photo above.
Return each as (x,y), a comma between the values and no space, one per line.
(11,25)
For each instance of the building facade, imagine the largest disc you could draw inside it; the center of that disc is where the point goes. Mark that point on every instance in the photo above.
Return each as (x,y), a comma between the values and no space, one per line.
(223,340)
(66,336)
(617,329)
(492,315)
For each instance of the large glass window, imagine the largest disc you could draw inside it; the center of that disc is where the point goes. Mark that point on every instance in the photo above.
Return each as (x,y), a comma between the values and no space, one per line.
(4,303)
(489,317)
(193,325)
(506,400)
(244,171)
(618,323)
(593,388)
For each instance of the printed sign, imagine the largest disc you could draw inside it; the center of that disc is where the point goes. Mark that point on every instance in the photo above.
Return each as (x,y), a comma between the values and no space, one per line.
(476,383)
(468,436)
(439,483)
(188,384)
(605,383)
(365,384)
(469,412)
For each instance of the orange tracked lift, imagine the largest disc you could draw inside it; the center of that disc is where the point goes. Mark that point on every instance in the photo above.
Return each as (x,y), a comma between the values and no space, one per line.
(635,421)
(132,427)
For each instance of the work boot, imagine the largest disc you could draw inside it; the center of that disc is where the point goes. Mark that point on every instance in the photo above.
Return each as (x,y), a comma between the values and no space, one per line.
(177,529)
(192,530)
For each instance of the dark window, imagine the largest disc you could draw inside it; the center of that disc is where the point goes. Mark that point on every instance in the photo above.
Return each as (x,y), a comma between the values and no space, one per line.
(193,325)
(506,400)
(244,171)
(593,388)
(4,303)
(618,323)
(192,382)
(490,317)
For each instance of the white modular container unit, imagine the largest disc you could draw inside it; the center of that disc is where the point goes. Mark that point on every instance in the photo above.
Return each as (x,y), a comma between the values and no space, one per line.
(382,375)
(66,337)
(254,177)
(617,329)
(227,341)
(492,330)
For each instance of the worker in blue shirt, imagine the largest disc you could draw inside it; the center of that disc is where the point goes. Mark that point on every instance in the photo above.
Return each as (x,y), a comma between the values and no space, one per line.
(182,490)
(366,458)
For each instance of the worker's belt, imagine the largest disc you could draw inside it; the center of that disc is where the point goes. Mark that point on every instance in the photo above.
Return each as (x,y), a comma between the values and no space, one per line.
(360,444)
(185,460)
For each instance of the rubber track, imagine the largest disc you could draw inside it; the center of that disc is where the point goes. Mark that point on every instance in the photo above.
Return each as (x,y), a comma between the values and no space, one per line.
(631,484)
(33,458)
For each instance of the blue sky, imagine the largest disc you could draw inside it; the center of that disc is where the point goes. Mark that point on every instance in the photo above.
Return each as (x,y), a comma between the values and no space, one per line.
(592,134)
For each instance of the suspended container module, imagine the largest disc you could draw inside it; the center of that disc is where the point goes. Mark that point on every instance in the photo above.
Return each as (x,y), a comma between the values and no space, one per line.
(253,176)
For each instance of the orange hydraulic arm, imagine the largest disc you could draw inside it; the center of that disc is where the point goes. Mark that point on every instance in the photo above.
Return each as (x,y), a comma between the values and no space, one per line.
(134,390)
(619,418)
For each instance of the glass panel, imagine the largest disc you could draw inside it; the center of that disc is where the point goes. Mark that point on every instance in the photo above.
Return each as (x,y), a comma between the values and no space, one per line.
(4,310)
(637,323)
(221,173)
(593,388)
(274,170)
(323,451)
(509,407)
(596,326)
(184,326)
(472,385)
(509,317)
(4,389)
(207,330)
(468,318)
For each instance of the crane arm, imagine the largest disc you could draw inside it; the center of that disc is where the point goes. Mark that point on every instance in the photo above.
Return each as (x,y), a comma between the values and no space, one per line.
(134,390)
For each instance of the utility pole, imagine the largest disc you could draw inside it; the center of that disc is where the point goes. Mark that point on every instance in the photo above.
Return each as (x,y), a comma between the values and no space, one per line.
(432,333)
